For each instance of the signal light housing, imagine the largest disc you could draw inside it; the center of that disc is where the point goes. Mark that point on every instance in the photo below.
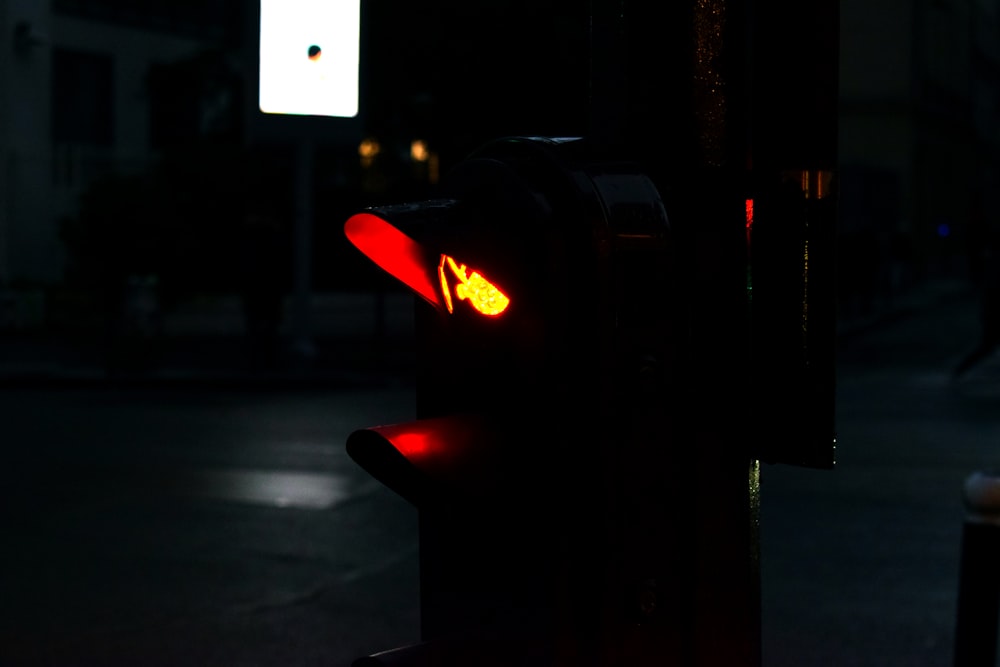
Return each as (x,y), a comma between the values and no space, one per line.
(549,276)
(577,344)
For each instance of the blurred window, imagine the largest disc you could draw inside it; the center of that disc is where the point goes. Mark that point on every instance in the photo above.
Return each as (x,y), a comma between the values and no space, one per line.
(82,98)
(207,19)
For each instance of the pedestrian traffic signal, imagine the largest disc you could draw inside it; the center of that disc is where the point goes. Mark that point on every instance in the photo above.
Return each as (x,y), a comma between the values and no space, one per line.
(407,260)
(541,274)
(576,350)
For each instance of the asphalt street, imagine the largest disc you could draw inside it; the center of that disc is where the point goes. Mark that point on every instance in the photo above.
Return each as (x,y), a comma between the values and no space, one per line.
(179,525)
(861,563)
(199,527)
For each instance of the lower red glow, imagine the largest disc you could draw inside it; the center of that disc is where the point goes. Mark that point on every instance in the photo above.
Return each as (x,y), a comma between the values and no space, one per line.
(422,458)
(395,252)
(412,445)
(435,444)
(749,218)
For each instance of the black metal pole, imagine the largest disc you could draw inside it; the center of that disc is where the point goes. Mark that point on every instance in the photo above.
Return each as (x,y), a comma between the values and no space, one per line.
(979,578)
(302,342)
(669,90)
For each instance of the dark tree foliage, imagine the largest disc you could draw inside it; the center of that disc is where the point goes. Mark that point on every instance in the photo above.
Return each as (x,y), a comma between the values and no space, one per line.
(181,219)
(174,223)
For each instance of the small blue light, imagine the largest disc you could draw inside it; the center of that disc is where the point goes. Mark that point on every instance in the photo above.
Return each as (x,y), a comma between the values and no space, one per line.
(944,230)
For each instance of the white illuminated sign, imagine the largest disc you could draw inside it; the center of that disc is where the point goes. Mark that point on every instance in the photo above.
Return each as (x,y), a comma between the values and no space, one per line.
(309,57)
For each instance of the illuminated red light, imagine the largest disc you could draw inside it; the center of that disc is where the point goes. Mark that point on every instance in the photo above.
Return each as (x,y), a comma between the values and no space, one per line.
(417,441)
(408,261)
(395,252)
(481,294)
(418,458)
(749,205)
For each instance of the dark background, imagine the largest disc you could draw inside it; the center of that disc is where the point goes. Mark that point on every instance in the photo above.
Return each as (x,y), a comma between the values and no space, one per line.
(112,378)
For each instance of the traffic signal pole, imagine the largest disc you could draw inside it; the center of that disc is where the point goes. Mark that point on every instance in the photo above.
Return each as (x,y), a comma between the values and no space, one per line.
(669,89)
(733,115)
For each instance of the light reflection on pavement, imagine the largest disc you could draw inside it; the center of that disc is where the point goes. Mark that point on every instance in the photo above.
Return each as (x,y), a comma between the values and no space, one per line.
(306,490)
